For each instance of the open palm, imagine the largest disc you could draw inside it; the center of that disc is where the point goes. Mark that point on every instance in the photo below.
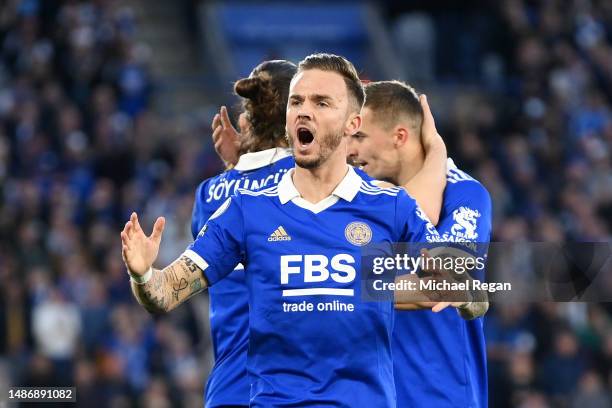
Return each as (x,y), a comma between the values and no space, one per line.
(139,251)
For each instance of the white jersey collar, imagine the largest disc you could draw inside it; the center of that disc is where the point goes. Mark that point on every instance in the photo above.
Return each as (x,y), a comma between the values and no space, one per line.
(347,190)
(256,160)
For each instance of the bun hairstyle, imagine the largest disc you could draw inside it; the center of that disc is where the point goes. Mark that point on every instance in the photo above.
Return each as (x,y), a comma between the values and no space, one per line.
(249,88)
(265,93)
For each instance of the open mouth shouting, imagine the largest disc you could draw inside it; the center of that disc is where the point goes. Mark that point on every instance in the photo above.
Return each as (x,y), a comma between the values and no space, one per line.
(305,136)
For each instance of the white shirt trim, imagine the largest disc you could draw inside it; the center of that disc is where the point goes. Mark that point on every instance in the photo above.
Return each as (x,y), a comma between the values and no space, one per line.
(347,190)
(256,160)
(196,258)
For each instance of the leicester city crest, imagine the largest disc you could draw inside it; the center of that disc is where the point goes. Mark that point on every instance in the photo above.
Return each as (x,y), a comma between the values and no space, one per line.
(358,233)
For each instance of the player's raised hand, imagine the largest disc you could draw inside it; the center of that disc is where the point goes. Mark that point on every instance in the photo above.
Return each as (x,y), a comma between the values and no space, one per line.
(138,250)
(429,133)
(225,137)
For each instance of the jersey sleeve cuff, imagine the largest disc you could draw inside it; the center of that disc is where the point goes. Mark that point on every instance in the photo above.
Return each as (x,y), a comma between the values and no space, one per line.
(202,264)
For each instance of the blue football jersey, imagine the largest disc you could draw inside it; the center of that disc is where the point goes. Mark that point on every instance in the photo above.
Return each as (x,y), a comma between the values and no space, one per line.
(312,340)
(444,363)
(229,308)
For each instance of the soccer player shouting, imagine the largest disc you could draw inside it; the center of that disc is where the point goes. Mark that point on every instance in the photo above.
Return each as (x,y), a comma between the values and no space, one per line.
(440,359)
(312,341)
(262,125)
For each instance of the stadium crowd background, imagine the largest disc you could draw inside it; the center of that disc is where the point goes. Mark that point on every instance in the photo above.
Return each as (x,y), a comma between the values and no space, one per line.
(81,147)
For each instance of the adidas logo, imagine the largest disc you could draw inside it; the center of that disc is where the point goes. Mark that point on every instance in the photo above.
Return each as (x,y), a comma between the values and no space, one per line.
(279,235)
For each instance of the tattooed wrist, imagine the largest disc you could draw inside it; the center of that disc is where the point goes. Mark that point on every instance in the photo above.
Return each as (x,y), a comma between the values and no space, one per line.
(171,286)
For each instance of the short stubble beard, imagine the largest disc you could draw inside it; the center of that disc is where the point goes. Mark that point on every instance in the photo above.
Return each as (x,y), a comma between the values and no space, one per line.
(329,144)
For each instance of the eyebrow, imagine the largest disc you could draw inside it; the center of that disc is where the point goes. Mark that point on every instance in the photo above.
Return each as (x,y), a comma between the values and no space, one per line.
(319,97)
(316,97)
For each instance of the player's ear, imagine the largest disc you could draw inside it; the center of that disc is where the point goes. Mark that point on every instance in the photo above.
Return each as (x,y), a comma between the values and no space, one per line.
(400,136)
(353,124)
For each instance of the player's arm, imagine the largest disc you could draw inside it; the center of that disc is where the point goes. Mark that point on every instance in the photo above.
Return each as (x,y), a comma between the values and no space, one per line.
(414,226)
(469,304)
(476,307)
(474,197)
(475,304)
(467,311)
(157,290)
(427,186)
(169,287)
(411,300)
(218,248)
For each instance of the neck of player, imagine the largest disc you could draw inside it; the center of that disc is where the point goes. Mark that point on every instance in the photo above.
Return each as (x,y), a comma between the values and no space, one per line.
(317,184)
(411,161)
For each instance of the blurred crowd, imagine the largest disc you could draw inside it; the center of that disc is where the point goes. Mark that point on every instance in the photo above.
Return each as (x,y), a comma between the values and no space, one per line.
(81,148)
(540,140)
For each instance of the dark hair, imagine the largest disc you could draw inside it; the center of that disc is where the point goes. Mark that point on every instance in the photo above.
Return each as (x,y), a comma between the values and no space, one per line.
(265,94)
(340,65)
(392,100)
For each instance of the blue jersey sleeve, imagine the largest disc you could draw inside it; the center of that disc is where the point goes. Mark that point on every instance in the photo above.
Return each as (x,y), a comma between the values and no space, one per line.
(468,220)
(471,213)
(197,215)
(219,246)
(412,223)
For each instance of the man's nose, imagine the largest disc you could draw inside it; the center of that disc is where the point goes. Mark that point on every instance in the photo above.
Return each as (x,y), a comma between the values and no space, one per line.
(304,114)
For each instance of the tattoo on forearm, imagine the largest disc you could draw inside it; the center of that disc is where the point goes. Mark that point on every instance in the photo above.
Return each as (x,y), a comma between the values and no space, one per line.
(196,286)
(152,302)
(166,289)
(182,284)
(157,279)
(190,264)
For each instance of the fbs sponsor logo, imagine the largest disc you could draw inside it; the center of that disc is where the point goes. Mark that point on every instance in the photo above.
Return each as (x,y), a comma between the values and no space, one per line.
(296,270)
(279,235)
